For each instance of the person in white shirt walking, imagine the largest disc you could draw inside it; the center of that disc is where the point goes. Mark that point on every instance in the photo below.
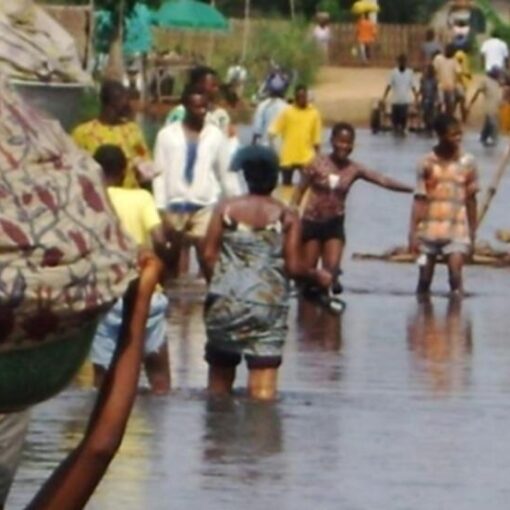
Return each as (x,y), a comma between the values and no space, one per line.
(494,53)
(193,161)
(267,111)
(401,85)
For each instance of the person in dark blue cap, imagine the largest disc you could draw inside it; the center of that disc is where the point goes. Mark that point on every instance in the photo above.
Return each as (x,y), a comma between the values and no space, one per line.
(252,250)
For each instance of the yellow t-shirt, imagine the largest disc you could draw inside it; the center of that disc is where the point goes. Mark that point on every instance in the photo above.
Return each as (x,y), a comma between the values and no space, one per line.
(300,130)
(137,212)
(128,136)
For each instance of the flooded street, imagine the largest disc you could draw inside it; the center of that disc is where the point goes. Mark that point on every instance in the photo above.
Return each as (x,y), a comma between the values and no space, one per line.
(394,405)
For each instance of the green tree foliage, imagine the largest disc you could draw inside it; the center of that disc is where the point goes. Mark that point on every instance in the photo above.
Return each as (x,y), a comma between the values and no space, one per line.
(503,28)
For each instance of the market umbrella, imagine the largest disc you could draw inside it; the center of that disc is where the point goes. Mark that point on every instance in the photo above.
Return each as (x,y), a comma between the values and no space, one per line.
(190,15)
(364,6)
(138,34)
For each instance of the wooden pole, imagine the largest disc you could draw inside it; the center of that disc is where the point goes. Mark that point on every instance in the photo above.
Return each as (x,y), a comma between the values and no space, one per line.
(491,191)
(115,67)
(89,56)
(292,9)
(212,41)
(246,29)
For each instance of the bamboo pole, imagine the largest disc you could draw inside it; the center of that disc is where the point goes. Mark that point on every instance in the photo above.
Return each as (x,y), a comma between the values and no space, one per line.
(492,189)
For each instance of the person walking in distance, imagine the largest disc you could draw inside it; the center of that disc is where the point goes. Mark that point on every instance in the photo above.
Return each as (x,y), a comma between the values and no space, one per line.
(300,129)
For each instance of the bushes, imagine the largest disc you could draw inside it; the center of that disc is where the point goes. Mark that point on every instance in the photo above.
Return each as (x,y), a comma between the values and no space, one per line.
(288,44)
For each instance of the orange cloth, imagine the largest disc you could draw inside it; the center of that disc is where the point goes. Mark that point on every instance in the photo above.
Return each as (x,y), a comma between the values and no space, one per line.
(505,118)
(366,31)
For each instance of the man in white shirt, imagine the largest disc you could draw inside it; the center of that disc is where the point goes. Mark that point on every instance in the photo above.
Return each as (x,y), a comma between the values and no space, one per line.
(401,85)
(494,53)
(193,161)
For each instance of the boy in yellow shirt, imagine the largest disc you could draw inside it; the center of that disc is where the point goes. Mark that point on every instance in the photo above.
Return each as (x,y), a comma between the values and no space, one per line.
(300,128)
(139,217)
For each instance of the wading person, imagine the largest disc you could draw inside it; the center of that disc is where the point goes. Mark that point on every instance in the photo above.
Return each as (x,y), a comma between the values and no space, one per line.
(140,218)
(443,220)
(267,111)
(329,179)
(252,249)
(114,126)
(403,91)
(192,159)
(493,100)
(299,126)
(429,98)
(448,74)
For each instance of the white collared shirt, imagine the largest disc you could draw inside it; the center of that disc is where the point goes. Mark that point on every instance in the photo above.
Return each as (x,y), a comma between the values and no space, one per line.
(212,177)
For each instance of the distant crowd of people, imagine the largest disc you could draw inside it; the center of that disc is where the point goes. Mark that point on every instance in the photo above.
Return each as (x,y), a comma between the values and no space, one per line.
(446,85)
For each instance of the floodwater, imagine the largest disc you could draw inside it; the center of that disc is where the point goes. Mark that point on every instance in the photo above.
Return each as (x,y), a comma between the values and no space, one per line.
(395,405)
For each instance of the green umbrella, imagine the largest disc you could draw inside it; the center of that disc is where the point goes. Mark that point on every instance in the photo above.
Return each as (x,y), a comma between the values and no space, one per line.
(137,30)
(190,15)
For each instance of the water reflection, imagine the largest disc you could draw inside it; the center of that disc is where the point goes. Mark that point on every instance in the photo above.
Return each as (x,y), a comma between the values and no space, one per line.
(318,328)
(441,344)
(242,434)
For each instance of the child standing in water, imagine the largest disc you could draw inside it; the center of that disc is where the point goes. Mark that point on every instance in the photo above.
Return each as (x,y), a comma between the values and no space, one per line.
(252,249)
(139,217)
(329,179)
(443,220)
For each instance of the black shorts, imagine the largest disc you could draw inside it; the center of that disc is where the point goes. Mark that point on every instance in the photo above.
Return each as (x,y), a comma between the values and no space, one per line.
(399,113)
(323,230)
(226,359)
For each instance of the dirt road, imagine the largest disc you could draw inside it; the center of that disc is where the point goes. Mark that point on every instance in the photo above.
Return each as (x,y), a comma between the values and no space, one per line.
(347,93)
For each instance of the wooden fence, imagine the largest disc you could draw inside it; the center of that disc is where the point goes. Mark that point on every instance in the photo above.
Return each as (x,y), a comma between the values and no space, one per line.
(392,39)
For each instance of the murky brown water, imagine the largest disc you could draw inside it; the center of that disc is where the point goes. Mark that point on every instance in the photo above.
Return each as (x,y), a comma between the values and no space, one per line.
(395,405)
